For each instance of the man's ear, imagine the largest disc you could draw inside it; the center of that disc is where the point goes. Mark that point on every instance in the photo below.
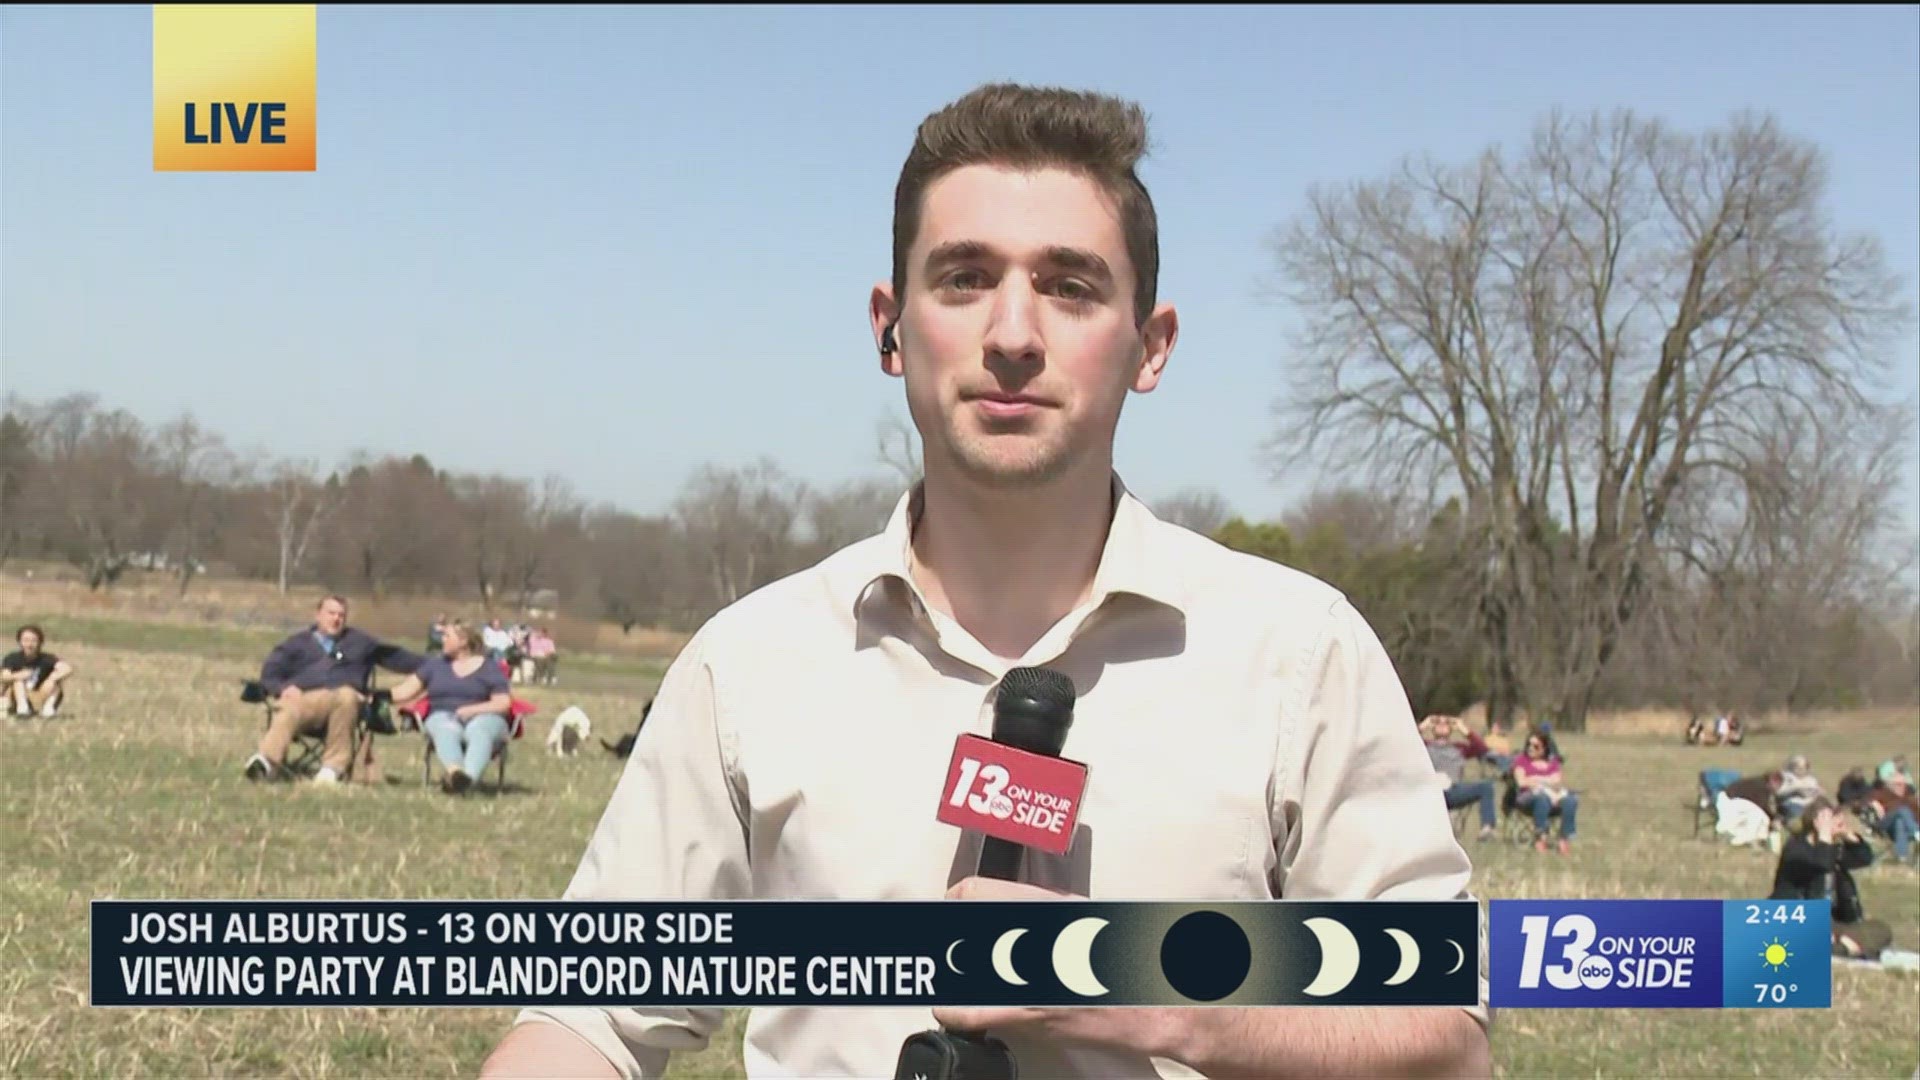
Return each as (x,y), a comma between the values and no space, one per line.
(1157,338)
(884,313)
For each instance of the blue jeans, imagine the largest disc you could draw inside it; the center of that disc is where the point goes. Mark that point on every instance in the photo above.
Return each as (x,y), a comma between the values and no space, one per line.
(1543,809)
(1901,826)
(468,747)
(1482,792)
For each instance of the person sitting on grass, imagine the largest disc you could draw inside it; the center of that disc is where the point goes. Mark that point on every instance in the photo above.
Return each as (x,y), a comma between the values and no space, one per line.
(469,702)
(545,654)
(1450,761)
(1798,788)
(35,679)
(1537,774)
(1817,862)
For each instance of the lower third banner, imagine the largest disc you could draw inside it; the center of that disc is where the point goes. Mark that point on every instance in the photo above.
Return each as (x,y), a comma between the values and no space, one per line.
(932,953)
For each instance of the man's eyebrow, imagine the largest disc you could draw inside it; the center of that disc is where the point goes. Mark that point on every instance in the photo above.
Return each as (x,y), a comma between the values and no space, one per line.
(1066,258)
(1069,258)
(957,251)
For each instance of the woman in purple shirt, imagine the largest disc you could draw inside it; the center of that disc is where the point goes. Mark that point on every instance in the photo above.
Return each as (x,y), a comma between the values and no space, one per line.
(469,700)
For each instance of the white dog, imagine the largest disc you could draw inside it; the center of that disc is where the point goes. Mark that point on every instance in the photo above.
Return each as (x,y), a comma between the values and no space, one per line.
(569,730)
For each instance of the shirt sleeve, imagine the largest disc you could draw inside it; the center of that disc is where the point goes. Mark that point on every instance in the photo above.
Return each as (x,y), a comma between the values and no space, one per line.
(1476,746)
(674,829)
(494,679)
(1357,816)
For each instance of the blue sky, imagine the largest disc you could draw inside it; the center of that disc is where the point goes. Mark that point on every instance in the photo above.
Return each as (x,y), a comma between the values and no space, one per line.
(617,244)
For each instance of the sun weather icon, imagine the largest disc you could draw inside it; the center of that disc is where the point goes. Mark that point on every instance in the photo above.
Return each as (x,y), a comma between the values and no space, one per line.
(1775,955)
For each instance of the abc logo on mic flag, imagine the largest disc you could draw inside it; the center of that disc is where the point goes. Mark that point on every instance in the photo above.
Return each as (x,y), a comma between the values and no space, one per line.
(234,87)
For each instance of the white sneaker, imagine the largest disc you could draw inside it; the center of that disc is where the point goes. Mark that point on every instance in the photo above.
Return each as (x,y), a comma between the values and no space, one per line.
(326,776)
(51,709)
(259,768)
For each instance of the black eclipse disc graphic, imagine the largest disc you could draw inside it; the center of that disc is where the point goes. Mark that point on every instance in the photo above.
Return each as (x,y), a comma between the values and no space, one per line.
(1206,956)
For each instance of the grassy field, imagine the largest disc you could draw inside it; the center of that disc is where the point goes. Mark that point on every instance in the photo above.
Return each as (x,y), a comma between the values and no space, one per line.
(137,792)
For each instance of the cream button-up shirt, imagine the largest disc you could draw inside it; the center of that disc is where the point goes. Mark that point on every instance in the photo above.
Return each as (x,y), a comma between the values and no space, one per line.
(1245,733)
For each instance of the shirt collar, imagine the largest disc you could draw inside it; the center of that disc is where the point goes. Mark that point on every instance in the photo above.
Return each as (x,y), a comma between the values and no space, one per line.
(1130,563)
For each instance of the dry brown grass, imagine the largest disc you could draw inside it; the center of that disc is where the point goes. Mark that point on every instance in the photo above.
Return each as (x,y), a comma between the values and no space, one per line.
(136,792)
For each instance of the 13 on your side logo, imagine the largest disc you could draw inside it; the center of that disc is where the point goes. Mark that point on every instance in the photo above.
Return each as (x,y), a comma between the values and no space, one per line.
(1586,961)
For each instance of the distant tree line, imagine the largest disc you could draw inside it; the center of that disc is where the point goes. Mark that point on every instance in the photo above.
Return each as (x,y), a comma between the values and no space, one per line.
(93,486)
(1790,609)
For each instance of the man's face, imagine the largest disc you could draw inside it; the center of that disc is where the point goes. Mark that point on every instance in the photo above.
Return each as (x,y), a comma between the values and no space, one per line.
(331,618)
(1017,336)
(30,643)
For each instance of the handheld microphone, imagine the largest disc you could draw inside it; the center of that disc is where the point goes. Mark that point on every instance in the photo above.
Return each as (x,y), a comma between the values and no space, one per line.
(1032,712)
(1017,789)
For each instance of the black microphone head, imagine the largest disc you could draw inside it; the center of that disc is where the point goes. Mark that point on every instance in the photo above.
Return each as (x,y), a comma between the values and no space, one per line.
(1033,710)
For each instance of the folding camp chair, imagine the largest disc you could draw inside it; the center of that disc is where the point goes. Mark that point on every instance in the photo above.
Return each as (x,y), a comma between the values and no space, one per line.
(304,752)
(1464,814)
(415,715)
(1515,819)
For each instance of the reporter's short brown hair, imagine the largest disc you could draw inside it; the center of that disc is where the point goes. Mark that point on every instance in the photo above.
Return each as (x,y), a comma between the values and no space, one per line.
(1097,136)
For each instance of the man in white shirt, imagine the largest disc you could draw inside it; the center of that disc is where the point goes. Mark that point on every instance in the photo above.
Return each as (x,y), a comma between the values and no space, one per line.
(1246,734)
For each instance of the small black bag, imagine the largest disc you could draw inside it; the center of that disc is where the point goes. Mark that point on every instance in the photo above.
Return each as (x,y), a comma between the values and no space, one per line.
(949,1055)
(380,713)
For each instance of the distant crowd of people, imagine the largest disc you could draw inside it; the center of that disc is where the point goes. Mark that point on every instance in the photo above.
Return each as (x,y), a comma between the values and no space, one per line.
(1726,729)
(1828,840)
(530,653)
(1769,806)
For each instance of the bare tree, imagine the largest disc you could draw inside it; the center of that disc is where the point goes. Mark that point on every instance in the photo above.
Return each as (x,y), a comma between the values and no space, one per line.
(849,513)
(19,466)
(1568,341)
(553,521)
(1785,592)
(96,462)
(1202,511)
(298,502)
(898,447)
(743,520)
(194,477)
(494,527)
(397,527)
(639,568)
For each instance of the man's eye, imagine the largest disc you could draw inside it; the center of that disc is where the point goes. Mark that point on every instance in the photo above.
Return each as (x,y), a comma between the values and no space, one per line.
(1073,289)
(966,280)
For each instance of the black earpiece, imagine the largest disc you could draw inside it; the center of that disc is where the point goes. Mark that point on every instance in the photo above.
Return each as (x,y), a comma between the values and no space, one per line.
(888,344)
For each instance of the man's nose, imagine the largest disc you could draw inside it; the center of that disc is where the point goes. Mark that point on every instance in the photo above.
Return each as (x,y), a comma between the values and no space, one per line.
(1013,332)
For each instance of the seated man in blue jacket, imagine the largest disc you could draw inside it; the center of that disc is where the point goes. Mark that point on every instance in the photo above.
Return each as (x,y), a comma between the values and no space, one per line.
(316,677)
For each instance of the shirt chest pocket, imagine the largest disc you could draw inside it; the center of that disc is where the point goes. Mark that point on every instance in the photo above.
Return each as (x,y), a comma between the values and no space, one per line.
(1186,826)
